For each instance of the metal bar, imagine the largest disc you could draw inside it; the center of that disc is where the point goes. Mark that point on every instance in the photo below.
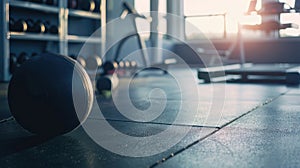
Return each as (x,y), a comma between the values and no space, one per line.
(225,27)
(205,15)
(83,39)
(33,6)
(213,15)
(241,44)
(4,43)
(103,26)
(85,14)
(32,36)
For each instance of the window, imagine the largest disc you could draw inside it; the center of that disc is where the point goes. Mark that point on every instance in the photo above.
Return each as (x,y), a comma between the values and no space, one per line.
(143,7)
(214,18)
(220,18)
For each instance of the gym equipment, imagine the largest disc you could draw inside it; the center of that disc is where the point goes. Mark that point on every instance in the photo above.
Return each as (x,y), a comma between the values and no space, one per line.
(47,26)
(141,43)
(51,2)
(133,67)
(297,6)
(127,64)
(272,8)
(270,26)
(107,82)
(133,64)
(247,72)
(11,23)
(121,64)
(93,62)
(252,7)
(87,5)
(97,6)
(109,67)
(12,62)
(52,29)
(79,59)
(40,95)
(288,73)
(73,4)
(17,26)
(35,27)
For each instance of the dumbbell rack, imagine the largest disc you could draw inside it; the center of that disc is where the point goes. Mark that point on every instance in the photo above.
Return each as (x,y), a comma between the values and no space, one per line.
(71,37)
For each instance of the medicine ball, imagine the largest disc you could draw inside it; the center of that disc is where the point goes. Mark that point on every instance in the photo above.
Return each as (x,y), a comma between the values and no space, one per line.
(12,63)
(50,95)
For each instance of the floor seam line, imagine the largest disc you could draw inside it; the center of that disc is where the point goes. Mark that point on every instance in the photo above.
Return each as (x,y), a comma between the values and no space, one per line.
(158,123)
(268,101)
(217,130)
(6,120)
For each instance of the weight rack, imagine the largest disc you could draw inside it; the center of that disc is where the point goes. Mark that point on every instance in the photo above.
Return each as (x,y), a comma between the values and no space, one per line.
(69,40)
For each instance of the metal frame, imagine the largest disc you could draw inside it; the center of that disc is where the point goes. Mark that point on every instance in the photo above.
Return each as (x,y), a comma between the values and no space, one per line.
(4,42)
(63,38)
(224,15)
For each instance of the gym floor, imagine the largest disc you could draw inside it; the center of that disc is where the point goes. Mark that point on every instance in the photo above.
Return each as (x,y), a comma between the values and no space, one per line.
(258,126)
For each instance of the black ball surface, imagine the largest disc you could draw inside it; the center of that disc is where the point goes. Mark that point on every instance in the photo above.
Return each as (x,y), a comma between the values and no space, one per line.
(50,95)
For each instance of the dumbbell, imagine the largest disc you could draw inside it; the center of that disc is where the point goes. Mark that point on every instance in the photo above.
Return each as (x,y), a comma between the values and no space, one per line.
(79,59)
(11,24)
(109,67)
(73,4)
(107,80)
(128,68)
(18,26)
(35,27)
(133,64)
(87,5)
(93,62)
(51,2)
(52,29)
(127,64)
(133,67)
(15,62)
(121,64)
(12,62)
(97,6)
(23,57)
